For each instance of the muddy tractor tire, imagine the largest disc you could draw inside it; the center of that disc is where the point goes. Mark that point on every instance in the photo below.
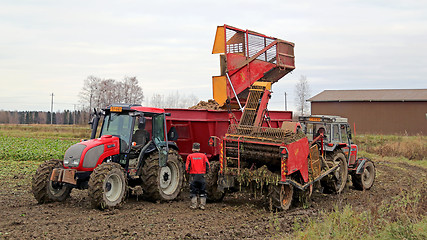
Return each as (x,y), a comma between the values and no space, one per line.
(214,195)
(279,197)
(162,183)
(336,181)
(365,180)
(45,190)
(107,186)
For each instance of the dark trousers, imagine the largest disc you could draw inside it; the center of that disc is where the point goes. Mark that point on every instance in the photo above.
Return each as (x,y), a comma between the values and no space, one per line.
(197,185)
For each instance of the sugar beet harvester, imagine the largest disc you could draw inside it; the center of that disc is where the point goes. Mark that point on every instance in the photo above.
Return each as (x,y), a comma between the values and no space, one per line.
(270,160)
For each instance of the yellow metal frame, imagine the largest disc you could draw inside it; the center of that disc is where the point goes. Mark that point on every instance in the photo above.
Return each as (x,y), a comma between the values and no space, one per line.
(219,85)
(219,44)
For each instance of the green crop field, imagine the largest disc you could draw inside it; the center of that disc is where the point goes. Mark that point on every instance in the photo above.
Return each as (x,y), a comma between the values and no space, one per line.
(37,143)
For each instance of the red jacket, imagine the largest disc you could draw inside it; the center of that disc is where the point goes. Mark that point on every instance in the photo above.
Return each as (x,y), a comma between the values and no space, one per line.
(197,163)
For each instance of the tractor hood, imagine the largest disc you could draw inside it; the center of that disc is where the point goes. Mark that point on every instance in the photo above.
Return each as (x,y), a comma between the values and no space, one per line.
(85,156)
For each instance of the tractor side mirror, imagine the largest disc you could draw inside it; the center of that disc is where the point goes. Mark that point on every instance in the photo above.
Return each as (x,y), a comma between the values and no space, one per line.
(172,134)
(213,141)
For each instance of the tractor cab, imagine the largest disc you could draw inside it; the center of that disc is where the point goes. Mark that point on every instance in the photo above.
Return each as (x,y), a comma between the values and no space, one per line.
(136,127)
(336,135)
(336,130)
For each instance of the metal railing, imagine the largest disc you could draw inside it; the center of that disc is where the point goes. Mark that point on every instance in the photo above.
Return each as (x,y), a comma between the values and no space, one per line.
(249,43)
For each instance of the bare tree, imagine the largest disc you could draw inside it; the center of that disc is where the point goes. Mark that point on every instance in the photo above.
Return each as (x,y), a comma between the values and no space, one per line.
(157,100)
(99,93)
(132,92)
(302,93)
(90,91)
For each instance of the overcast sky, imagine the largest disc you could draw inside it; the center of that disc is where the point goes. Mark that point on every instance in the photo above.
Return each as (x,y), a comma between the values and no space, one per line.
(52,46)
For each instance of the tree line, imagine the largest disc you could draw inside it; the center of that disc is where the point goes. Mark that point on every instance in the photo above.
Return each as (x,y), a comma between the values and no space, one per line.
(39,117)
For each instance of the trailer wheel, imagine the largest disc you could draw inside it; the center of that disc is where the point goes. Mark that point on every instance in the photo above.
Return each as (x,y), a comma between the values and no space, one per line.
(366,179)
(162,183)
(107,186)
(336,181)
(45,190)
(280,197)
(214,195)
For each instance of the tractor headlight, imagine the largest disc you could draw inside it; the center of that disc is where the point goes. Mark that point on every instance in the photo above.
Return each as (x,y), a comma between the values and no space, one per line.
(75,162)
(72,162)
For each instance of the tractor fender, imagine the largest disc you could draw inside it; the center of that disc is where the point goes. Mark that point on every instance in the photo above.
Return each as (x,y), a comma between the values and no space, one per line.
(149,148)
(173,145)
(152,147)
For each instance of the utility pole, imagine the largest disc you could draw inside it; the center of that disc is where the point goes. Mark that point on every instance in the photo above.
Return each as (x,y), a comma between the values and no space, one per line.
(74,115)
(51,110)
(286,103)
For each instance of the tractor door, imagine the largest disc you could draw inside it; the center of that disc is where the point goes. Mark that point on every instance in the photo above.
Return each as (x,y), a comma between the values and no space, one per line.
(160,138)
(346,137)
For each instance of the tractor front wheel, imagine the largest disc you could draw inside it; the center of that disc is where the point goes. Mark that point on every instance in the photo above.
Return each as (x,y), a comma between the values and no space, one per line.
(280,197)
(45,190)
(107,186)
(162,183)
(366,179)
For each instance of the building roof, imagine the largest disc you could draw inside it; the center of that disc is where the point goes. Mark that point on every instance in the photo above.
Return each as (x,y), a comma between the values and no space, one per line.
(374,95)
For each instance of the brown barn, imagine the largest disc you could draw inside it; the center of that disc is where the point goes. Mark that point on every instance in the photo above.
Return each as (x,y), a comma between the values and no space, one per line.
(385,111)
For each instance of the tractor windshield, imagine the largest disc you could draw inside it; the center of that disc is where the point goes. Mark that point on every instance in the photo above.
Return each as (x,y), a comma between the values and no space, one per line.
(119,125)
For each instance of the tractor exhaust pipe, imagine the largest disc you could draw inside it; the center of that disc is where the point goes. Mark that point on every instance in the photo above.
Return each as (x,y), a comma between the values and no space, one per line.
(94,123)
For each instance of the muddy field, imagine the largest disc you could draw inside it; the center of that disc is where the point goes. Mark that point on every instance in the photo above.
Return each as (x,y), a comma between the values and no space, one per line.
(237,217)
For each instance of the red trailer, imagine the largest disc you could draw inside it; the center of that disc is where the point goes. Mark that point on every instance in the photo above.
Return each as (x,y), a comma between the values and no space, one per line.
(198,125)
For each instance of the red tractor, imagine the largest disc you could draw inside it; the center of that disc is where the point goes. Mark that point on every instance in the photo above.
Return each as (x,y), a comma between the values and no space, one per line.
(337,146)
(133,150)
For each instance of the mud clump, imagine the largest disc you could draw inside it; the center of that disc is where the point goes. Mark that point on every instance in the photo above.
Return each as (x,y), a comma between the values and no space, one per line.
(209,105)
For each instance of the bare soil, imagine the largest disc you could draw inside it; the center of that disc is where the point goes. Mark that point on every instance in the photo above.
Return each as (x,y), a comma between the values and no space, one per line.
(236,217)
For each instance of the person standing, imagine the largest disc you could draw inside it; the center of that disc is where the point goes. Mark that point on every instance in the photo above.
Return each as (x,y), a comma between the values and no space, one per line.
(197,165)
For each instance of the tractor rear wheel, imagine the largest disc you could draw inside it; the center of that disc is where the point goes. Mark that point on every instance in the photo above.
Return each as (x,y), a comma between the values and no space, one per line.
(107,186)
(280,197)
(366,179)
(335,182)
(162,183)
(214,195)
(45,190)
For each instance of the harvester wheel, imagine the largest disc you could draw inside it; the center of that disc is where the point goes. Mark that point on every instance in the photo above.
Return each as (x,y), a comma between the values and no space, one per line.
(107,186)
(366,179)
(45,190)
(336,181)
(162,183)
(302,197)
(214,195)
(280,197)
